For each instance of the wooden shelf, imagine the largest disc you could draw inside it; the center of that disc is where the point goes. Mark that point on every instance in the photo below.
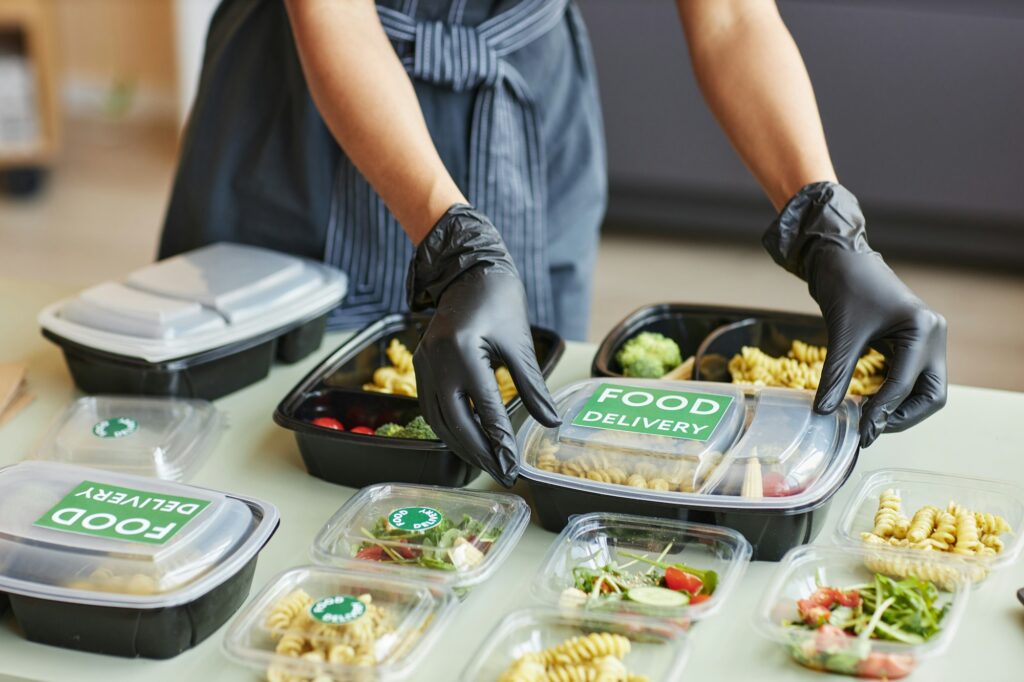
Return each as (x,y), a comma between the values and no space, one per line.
(34,21)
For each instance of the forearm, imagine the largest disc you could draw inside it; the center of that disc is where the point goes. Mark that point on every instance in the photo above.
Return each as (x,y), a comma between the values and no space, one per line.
(368,103)
(755,82)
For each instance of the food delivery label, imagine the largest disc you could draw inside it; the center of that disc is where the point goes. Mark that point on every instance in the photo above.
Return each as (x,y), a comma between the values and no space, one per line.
(109,511)
(415,518)
(337,610)
(115,427)
(673,414)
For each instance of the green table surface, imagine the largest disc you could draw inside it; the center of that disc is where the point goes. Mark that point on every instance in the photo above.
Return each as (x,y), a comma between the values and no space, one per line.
(976,434)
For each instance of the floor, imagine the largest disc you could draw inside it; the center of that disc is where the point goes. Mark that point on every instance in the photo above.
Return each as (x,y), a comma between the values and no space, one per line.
(101,212)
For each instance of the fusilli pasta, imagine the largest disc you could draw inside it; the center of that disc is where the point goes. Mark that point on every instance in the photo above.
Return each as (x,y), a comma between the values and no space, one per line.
(595,657)
(801,368)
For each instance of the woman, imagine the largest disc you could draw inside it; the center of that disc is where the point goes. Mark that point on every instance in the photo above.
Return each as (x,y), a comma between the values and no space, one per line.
(327,127)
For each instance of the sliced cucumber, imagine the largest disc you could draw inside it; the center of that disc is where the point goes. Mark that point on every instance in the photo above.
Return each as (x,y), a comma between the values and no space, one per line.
(658,596)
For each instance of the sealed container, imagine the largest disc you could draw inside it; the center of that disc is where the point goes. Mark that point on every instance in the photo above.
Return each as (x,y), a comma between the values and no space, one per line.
(165,438)
(124,565)
(198,325)
(334,389)
(318,622)
(631,554)
(651,650)
(758,460)
(457,538)
(996,509)
(772,333)
(805,569)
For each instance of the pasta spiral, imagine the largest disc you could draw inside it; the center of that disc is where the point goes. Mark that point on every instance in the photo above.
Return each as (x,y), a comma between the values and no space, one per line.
(801,368)
(284,611)
(888,515)
(588,647)
(595,657)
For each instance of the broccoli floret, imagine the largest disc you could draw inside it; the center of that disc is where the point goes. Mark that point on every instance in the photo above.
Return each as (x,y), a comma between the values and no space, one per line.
(418,428)
(648,355)
(391,430)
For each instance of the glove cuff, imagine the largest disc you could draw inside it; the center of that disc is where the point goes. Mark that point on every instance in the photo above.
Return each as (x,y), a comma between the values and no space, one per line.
(462,239)
(821,214)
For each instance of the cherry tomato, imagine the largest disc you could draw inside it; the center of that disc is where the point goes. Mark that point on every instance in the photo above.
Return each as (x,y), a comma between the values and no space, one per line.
(699,598)
(329,423)
(829,639)
(812,613)
(882,666)
(825,596)
(372,553)
(850,599)
(678,580)
(773,484)
(365,430)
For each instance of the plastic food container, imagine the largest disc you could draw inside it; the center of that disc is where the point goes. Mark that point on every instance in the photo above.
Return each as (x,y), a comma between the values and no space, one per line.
(758,460)
(165,438)
(199,325)
(689,326)
(457,538)
(316,613)
(917,489)
(657,649)
(124,565)
(335,389)
(595,541)
(801,571)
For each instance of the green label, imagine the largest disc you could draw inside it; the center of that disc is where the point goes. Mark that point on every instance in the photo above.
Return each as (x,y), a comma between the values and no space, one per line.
(415,518)
(337,610)
(674,414)
(109,511)
(115,427)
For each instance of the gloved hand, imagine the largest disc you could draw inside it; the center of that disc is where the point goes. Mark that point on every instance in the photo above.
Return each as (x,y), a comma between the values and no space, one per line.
(819,236)
(463,270)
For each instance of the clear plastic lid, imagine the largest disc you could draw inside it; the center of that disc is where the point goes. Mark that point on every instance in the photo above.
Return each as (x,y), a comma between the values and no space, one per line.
(804,569)
(611,562)
(920,514)
(698,443)
(548,644)
(79,535)
(166,438)
(203,299)
(455,537)
(318,622)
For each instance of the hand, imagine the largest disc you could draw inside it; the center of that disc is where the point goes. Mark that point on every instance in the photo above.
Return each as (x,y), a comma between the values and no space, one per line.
(819,236)
(463,270)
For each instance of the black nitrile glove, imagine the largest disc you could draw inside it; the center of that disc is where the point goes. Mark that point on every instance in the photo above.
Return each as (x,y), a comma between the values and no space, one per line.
(819,236)
(463,269)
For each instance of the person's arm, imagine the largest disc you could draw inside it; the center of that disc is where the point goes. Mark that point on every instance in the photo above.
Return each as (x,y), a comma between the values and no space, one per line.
(755,82)
(367,100)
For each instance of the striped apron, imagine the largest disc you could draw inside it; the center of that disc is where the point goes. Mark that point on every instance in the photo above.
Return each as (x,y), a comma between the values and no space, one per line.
(516,125)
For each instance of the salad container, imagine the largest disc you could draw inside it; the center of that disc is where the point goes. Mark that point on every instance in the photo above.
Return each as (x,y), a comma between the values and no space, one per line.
(610,562)
(318,622)
(802,572)
(124,565)
(690,326)
(334,390)
(199,325)
(168,438)
(657,650)
(917,489)
(758,460)
(457,538)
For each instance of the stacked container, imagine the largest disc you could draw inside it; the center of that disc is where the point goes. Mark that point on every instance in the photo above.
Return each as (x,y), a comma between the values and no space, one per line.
(199,325)
(334,389)
(758,460)
(124,565)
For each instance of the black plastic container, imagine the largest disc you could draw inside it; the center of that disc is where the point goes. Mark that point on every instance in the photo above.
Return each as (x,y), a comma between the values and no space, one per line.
(133,633)
(688,325)
(772,332)
(118,595)
(334,388)
(770,533)
(208,375)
